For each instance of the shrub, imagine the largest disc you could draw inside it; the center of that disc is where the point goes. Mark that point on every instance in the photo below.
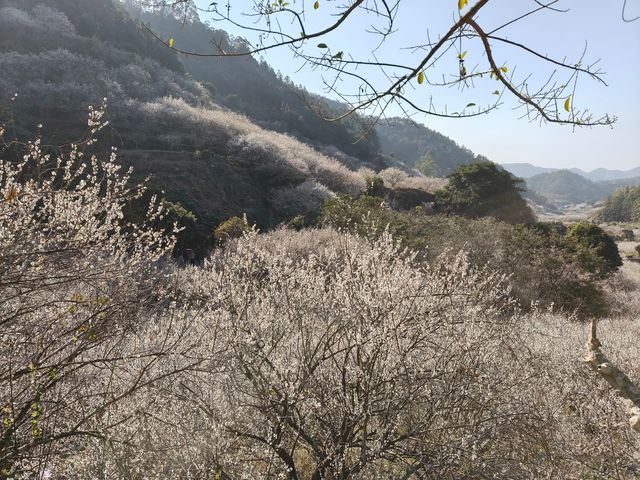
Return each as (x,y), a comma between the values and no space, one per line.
(234,227)
(304,199)
(484,189)
(393,176)
(589,237)
(622,206)
(375,186)
(627,235)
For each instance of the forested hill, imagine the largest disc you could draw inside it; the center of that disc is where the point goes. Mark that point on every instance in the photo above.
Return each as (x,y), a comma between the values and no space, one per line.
(83,28)
(412,143)
(253,88)
(65,55)
(564,187)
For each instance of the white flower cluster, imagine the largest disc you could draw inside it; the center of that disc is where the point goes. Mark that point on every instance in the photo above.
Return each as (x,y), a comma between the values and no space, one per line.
(312,354)
(74,274)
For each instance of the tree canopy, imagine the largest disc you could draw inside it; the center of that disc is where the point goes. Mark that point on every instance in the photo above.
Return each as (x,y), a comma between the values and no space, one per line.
(587,236)
(484,189)
(622,206)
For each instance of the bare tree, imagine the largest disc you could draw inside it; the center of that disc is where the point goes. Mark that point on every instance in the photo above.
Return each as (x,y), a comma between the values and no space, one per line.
(373,86)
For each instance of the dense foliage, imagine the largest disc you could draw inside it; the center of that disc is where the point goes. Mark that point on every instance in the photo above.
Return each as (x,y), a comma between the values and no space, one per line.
(589,237)
(622,206)
(484,189)
(546,265)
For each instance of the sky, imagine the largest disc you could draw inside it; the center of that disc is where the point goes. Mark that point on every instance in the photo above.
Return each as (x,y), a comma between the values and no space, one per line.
(502,135)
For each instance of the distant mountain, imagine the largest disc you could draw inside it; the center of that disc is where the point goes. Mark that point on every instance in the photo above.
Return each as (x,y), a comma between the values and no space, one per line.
(564,187)
(602,174)
(527,170)
(613,185)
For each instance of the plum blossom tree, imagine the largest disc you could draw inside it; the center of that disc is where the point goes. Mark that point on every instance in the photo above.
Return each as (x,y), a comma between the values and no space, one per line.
(76,298)
(297,355)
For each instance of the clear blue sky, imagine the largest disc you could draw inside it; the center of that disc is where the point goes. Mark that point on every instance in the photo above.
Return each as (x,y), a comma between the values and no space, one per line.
(501,135)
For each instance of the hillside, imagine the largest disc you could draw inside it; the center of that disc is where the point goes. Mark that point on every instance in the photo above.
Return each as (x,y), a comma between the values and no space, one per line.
(166,125)
(251,87)
(408,142)
(604,174)
(564,188)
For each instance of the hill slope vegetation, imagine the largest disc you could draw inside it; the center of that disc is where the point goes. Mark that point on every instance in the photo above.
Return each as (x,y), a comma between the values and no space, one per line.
(212,161)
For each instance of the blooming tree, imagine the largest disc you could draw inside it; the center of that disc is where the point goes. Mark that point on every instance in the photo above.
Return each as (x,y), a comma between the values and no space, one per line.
(75,280)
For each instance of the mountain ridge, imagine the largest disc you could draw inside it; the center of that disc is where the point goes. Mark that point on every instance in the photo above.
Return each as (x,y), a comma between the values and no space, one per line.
(528,170)
(565,187)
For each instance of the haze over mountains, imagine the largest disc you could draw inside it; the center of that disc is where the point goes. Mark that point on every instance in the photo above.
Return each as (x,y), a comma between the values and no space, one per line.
(564,187)
(527,170)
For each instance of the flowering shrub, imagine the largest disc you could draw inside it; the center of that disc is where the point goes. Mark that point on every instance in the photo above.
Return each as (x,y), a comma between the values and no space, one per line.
(393,176)
(333,357)
(304,199)
(427,184)
(74,281)
(314,354)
